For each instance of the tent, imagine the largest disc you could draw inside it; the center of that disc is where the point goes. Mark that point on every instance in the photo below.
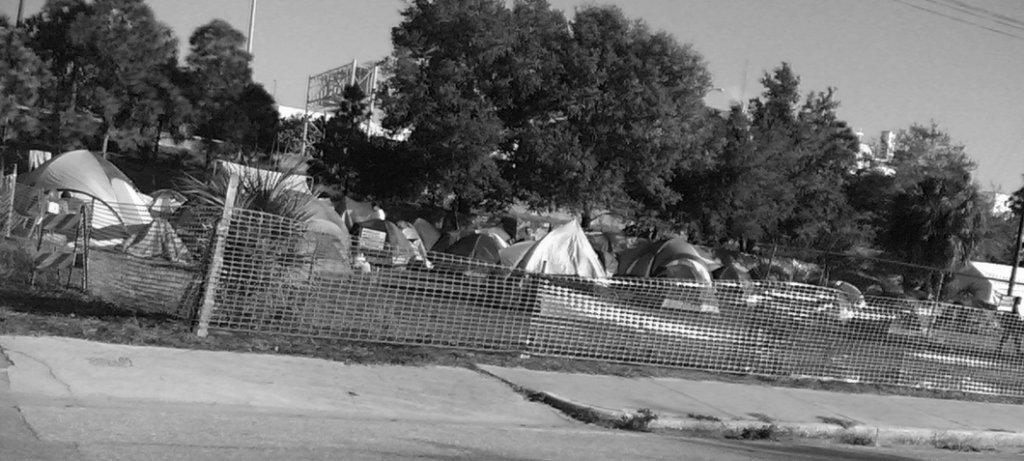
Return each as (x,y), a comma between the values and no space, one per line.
(385,243)
(481,247)
(428,233)
(563,251)
(987,284)
(166,202)
(121,209)
(355,212)
(158,240)
(656,259)
(329,229)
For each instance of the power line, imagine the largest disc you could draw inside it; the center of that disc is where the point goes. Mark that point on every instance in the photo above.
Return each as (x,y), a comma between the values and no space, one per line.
(958,19)
(988,12)
(986,15)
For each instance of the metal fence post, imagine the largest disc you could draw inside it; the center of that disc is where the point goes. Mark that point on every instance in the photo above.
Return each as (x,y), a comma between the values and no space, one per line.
(8,186)
(217,258)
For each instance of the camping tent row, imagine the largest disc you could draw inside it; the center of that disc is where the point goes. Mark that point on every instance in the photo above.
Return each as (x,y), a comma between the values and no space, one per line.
(123,217)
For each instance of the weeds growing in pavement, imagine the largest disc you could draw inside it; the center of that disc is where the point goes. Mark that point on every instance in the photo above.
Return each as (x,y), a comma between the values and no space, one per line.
(639,421)
(856,437)
(957,442)
(700,417)
(762,432)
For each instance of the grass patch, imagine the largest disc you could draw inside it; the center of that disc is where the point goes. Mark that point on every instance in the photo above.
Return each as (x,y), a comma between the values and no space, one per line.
(699,417)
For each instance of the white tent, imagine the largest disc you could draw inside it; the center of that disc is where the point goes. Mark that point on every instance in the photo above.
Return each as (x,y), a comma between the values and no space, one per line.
(120,209)
(563,251)
(989,283)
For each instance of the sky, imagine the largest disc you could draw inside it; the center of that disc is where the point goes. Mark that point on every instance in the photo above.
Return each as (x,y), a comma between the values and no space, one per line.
(894,63)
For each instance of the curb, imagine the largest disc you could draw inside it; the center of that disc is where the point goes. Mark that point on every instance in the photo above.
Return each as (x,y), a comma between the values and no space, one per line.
(973,440)
(886,434)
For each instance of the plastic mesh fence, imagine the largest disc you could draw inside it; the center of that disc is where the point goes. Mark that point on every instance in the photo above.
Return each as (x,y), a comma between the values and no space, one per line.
(280,276)
(149,260)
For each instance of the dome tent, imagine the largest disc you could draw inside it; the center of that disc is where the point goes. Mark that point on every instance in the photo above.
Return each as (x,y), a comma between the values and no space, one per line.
(85,176)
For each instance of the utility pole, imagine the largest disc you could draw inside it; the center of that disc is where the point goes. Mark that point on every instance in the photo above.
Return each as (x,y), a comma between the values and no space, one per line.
(21,11)
(252,28)
(1016,253)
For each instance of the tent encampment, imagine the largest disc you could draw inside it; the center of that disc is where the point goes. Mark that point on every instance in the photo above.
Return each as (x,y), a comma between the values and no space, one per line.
(120,211)
(563,251)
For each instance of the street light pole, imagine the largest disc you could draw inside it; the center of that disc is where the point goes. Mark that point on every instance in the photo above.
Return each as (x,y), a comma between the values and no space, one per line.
(21,10)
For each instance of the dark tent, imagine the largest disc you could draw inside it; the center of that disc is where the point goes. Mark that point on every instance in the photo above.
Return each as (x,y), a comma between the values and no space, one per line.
(481,247)
(673,258)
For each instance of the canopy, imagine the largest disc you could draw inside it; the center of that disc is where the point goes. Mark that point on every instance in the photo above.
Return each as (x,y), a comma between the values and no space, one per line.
(563,251)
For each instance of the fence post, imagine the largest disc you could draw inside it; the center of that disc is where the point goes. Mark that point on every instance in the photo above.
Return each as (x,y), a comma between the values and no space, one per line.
(217,258)
(9,185)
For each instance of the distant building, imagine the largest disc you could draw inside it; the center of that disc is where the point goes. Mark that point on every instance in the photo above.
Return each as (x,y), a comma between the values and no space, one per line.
(868,159)
(1000,203)
(886,145)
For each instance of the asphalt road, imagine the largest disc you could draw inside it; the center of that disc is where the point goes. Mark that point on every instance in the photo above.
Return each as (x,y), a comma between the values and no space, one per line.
(39,429)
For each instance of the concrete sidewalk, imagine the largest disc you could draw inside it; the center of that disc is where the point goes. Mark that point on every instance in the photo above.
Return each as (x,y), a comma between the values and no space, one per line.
(84,373)
(684,404)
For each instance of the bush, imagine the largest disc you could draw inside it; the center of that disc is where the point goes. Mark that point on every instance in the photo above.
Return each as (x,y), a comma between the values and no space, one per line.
(16,263)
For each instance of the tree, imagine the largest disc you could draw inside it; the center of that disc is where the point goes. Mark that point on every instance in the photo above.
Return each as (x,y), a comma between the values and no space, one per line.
(134,55)
(66,125)
(227,105)
(22,76)
(630,103)
(444,68)
(938,212)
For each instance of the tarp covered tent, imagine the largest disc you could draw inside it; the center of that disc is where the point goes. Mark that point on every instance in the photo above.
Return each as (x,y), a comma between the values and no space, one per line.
(121,210)
(563,251)
(655,259)
(987,283)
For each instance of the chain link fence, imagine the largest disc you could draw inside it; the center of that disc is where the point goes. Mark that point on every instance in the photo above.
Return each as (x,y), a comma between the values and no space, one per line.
(280,276)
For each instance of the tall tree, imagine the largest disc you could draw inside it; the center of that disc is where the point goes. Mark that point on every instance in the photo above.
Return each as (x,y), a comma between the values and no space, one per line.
(22,76)
(443,74)
(938,212)
(227,105)
(630,103)
(66,125)
(134,55)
